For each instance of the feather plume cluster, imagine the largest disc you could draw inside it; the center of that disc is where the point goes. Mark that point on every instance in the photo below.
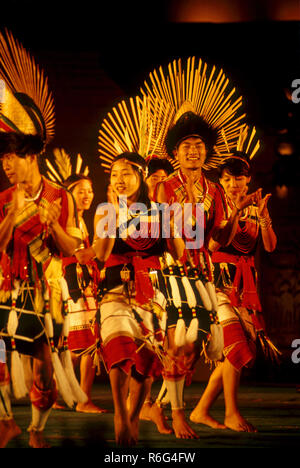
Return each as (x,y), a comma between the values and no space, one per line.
(26,104)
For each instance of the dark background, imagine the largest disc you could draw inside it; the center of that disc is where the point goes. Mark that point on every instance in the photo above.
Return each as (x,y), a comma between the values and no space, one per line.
(96,54)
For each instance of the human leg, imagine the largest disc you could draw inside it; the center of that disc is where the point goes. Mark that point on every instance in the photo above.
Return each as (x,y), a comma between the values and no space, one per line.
(43,394)
(175,371)
(8,426)
(201,413)
(233,418)
(87,376)
(119,381)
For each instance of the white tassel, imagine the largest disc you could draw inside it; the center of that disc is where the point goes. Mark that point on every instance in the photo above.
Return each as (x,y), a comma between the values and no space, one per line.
(49,324)
(215,347)
(180,329)
(78,393)
(211,289)
(192,333)
(60,376)
(13,322)
(180,333)
(65,356)
(66,326)
(207,304)
(191,299)
(62,382)
(17,375)
(175,292)
(64,289)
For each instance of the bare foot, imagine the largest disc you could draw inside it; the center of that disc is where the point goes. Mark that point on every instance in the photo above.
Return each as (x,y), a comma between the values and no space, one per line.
(36,440)
(200,417)
(181,427)
(90,407)
(236,422)
(158,417)
(124,432)
(8,431)
(58,406)
(145,413)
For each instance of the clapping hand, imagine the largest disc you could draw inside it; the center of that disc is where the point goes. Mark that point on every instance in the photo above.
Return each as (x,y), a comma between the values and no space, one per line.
(53,213)
(262,203)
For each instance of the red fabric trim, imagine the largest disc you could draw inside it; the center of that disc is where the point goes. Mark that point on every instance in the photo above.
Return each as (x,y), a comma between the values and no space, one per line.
(83,339)
(243,263)
(121,352)
(4,374)
(43,399)
(242,351)
(143,285)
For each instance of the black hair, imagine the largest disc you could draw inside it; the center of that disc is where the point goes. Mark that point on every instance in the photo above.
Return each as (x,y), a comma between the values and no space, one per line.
(74,178)
(139,165)
(190,124)
(156,164)
(236,166)
(20,144)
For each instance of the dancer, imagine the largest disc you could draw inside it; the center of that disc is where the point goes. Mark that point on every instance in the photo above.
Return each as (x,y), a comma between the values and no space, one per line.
(158,170)
(37,226)
(132,308)
(82,279)
(200,112)
(239,308)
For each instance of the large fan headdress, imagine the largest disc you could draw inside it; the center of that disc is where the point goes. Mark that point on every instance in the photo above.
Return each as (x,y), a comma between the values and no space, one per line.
(26,105)
(132,125)
(62,167)
(246,147)
(200,90)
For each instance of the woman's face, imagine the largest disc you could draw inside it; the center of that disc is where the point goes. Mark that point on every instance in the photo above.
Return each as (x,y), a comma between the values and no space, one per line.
(155,178)
(83,194)
(124,180)
(233,185)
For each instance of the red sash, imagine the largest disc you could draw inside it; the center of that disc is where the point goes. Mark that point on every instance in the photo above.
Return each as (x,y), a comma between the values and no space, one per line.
(249,297)
(143,285)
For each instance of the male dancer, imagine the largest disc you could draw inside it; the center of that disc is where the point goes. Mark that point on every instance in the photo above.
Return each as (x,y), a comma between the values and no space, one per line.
(37,227)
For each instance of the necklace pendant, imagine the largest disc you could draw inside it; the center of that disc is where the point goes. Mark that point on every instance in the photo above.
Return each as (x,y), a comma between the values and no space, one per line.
(125,274)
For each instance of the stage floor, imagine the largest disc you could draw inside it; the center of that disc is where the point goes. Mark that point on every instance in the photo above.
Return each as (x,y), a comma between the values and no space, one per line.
(274,410)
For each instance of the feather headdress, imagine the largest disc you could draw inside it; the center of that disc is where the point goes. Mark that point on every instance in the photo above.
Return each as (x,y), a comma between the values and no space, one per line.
(246,147)
(199,90)
(135,127)
(64,168)
(26,104)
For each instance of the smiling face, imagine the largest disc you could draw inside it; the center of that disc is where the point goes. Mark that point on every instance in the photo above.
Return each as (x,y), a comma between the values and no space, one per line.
(191,153)
(17,169)
(83,194)
(124,180)
(155,178)
(233,185)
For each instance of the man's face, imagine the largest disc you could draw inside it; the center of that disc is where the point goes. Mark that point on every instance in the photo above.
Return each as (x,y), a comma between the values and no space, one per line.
(191,153)
(16,169)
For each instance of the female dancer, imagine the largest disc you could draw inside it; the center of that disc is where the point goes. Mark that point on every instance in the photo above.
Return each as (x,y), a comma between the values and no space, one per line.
(131,306)
(84,335)
(239,309)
